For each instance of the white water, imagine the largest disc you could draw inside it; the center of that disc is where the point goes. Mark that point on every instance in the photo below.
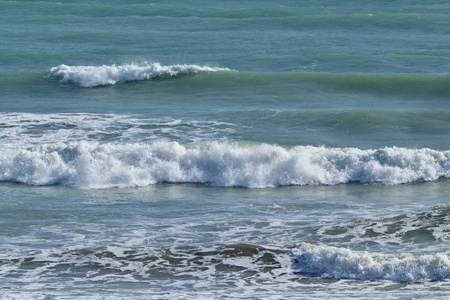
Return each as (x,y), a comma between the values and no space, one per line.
(344,263)
(36,129)
(91,76)
(96,165)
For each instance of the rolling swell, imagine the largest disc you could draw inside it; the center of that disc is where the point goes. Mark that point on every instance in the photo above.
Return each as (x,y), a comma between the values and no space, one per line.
(225,80)
(410,84)
(94,165)
(437,85)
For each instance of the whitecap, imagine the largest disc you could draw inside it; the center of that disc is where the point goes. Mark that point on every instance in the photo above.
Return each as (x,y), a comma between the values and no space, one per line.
(91,76)
(96,165)
(342,263)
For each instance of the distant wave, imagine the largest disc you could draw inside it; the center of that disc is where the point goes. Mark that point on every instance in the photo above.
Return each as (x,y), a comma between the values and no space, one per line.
(94,165)
(91,76)
(341,263)
(384,84)
(426,87)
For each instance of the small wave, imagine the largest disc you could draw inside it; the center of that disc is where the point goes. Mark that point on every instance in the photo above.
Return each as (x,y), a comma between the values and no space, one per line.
(91,76)
(340,263)
(94,165)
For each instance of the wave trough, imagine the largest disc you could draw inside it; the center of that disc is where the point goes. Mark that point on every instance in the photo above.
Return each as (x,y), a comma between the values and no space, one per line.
(91,76)
(94,165)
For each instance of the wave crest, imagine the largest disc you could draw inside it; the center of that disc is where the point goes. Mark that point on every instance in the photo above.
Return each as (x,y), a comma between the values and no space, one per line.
(90,164)
(340,263)
(91,76)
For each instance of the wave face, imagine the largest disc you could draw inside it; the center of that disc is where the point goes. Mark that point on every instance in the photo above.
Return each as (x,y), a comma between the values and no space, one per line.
(95,165)
(91,76)
(340,263)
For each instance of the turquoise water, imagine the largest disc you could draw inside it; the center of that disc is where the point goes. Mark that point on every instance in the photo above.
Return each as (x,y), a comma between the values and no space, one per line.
(256,150)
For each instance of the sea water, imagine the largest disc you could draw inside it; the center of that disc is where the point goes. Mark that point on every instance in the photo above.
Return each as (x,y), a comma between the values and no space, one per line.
(220,150)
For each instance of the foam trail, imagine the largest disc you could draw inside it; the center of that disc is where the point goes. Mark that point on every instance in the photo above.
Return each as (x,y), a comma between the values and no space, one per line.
(91,76)
(100,127)
(343,263)
(95,165)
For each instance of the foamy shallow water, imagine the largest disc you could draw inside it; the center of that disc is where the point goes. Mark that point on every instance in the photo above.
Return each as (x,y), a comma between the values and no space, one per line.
(166,241)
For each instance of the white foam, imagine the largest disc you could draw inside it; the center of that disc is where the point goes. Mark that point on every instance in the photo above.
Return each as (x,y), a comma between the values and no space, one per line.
(429,229)
(90,76)
(35,129)
(347,264)
(96,165)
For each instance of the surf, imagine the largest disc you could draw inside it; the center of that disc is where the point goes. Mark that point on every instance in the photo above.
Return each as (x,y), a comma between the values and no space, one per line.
(342,263)
(226,164)
(92,76)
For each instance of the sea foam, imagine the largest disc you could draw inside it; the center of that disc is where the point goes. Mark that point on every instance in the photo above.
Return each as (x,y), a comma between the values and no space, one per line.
(99,127)
(341,263)
(91,76)
(95,165)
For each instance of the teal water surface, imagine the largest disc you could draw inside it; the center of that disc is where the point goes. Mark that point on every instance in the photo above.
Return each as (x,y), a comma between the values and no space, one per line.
(254,150)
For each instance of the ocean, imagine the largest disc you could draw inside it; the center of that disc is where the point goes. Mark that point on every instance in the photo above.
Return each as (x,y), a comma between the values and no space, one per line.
(225,149)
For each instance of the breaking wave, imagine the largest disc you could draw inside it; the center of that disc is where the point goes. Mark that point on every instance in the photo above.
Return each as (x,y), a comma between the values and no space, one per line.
(95,165)
(341,263)
(91,76)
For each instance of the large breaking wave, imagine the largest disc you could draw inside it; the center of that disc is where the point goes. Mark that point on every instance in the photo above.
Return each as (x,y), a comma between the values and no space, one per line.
(95,165)
(91,76)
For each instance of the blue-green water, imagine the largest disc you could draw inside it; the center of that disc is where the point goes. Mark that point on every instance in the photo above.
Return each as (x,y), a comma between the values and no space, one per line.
(256,150)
